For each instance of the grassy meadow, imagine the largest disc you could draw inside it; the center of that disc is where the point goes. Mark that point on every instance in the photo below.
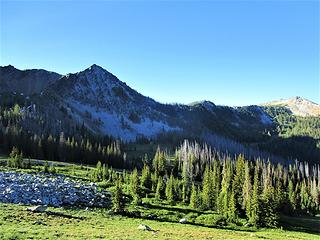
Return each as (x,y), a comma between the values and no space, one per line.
(72,223)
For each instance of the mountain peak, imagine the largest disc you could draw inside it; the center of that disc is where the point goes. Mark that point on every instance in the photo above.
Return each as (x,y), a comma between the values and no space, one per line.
(8,67)
(95,69)
(298,106)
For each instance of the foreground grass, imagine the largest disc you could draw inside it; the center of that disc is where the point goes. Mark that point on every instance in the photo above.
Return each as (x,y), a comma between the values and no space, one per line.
(17,223)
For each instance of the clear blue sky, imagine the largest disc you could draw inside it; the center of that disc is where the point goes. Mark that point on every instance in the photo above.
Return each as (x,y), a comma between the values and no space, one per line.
(228,52)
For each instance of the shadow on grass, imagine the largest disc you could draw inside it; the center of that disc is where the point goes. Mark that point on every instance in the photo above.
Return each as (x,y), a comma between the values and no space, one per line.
(303,223)
(172,208)
(139,216)
(63,215)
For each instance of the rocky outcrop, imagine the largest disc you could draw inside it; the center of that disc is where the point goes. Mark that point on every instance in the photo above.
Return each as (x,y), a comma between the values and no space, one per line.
(51,190)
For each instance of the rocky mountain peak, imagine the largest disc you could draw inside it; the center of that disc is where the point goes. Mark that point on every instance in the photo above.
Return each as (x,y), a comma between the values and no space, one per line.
(298,106)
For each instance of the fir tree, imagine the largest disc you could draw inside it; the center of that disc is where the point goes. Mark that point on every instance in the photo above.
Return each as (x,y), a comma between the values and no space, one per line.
(247,191)
(146,177)
(194,198)
(159,189)
(134,186)
(238,181)
(292,195)
(207,190)
(117,198)
(255,209)
(232,210)
(269,215)
(170,189)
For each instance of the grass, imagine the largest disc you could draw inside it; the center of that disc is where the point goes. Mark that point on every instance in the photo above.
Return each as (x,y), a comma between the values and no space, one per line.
(17,223)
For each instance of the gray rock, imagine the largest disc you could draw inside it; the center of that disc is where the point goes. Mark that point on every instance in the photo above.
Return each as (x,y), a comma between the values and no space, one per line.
(144,227)
(51,190)
(39,208)
(183,220)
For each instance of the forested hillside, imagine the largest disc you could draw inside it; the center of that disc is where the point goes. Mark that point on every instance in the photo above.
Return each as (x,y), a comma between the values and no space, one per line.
(92,109)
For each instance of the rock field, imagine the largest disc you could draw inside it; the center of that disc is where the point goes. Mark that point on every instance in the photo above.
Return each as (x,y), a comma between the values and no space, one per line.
(51,190)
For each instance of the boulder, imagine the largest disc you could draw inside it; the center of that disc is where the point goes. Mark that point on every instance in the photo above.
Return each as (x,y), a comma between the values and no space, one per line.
(144,227)
(39,208)
(183,220)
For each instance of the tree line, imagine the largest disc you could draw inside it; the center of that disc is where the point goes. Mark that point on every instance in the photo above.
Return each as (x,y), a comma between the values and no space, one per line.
(235,187)
(83,148)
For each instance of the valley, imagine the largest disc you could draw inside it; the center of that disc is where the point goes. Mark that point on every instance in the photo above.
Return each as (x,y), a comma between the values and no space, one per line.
(105,162)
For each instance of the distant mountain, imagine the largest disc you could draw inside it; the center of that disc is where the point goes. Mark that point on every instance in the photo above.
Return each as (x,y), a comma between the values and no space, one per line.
(25,81)
(298,106)
(98,101)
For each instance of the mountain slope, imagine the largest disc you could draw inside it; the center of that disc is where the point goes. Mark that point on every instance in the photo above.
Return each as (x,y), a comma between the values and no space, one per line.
(108,106)
(98,101)
(25,81)
(298,106)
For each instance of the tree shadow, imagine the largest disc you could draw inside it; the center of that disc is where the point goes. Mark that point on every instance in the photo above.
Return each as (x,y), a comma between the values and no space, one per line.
(63,215)
(306,224)
(172,208)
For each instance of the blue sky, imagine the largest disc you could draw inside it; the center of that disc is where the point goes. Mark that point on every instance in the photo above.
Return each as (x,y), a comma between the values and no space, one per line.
(228,52)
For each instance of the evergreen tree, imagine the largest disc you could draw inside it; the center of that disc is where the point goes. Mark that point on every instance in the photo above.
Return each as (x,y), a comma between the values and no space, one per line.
(215,183)
(232,210)
(146,177)
(16,159)
(134,186)
(224,196)
(46,167)
(255,207)
(247,191)
(238,181)
(195,202)
(207,190)
(159,189)
(304,197)
(269,215)
(170,189)
(292,195)
(117,198)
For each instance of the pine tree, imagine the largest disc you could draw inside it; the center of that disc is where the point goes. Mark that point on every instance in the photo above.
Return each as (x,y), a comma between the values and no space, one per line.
(304,197)
(159,189)
(269,215)
(46,167)
(159,162)
(98,172)
(255,209)
(292,195)
(224,196)
(170,189)
(117,198)
(16,159)
(215,183)
(232,209)
(207,190)
(238,181)
(247,191)
(135,187)
(194,198)
(146,177)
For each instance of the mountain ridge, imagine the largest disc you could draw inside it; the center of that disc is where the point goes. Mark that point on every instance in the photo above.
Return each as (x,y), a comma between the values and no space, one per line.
(97,100)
